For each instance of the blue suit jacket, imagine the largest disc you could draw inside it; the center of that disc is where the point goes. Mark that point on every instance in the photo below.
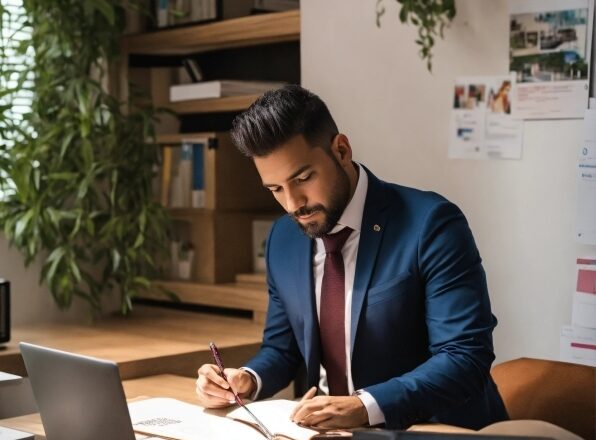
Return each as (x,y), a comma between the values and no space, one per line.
(421,321)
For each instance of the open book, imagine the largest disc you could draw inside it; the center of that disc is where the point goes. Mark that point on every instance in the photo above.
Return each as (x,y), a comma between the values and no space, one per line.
(173,419)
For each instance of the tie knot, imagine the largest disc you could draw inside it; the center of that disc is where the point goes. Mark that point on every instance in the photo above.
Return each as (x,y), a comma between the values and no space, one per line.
(335,242)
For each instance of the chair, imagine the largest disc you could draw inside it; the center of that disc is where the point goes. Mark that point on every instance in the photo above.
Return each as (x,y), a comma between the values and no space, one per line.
(557,392)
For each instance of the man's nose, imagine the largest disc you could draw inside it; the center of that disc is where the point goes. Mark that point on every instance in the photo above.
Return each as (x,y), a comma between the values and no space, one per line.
(294,200)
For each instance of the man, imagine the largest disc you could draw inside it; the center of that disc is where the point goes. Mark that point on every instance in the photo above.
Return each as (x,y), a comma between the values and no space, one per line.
(377,288)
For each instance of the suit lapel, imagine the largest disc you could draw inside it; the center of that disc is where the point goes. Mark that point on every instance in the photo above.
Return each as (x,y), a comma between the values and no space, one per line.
(371,234)
(305,284)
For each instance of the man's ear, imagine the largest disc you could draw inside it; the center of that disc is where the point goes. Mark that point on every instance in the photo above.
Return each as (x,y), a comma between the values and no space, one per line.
(341,149)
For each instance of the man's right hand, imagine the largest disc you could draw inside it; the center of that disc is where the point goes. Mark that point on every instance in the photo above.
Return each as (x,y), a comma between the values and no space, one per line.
(214,391)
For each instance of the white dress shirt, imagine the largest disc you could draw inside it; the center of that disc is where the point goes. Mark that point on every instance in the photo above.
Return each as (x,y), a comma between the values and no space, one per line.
(351,217)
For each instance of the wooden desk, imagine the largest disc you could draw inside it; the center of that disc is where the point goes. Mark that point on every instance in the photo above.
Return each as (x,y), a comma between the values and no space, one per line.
(151,341)
(177,387)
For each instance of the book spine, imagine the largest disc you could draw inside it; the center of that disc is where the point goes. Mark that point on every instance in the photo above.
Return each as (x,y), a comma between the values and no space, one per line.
(204,9)
(193,69)
(162,13)
(195,11)
(212,10)
(185,175)
(198,175)
(166,176)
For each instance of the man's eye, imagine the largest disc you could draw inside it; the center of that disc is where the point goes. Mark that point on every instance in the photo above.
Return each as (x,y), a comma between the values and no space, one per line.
(303,178)
(275,189)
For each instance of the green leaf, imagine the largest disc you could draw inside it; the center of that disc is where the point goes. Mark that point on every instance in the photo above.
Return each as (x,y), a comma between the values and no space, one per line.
(22,224)
(66,143)
(143,282)
(139,241)
(115,260)
(52,270)
(403,14)
(77,225)
(106,9)
(170,294)
(75,270)
(56,254)
(62,175)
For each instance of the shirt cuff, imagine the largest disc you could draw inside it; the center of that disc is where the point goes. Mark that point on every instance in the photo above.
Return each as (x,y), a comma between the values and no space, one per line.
(375,415)
(255,394)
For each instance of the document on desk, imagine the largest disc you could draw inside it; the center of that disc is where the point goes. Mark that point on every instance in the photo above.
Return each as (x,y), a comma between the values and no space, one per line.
(173,419)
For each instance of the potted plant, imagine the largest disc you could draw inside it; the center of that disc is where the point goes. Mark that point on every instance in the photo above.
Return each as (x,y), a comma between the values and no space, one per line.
(77,168)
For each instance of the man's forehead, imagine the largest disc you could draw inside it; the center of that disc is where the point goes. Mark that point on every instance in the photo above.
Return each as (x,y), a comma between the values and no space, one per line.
(286,162)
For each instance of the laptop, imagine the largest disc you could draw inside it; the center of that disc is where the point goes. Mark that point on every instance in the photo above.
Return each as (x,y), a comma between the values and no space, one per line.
(78,397)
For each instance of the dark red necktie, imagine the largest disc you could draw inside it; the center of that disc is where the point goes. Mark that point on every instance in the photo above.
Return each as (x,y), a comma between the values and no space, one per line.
(331,321)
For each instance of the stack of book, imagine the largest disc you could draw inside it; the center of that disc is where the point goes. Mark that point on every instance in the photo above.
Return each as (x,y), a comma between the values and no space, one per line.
(275,5)
(178,12)
(221,88)
(183,175)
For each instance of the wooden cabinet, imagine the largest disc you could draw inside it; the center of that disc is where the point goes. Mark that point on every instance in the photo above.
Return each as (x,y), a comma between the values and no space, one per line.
(253,47)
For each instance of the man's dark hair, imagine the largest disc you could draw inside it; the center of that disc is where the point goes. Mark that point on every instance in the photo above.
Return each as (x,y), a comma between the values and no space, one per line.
(278,116)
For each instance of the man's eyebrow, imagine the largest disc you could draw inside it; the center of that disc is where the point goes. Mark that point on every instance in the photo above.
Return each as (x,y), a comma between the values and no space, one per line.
(293,175)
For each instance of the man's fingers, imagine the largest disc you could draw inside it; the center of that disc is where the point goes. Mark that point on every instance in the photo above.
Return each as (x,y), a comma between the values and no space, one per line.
(307,396)
(330,423)
(332,412)
(211,388)
(211,372)
(210,401)
(315,418)
(237,380)
(307,407)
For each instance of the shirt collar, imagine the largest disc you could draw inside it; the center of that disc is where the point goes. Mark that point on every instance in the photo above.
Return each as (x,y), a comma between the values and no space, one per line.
(352,215)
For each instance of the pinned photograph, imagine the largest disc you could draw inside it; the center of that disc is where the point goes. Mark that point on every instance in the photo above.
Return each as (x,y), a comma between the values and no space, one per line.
(549,55)
(549,46)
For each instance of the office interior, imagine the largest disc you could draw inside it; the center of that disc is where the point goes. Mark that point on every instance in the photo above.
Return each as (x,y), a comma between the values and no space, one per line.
(397,114)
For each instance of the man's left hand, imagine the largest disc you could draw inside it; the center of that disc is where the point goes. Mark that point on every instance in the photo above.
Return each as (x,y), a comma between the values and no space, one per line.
(331,412)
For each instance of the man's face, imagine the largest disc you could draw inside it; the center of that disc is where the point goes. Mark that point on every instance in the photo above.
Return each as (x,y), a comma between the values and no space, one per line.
(310,184)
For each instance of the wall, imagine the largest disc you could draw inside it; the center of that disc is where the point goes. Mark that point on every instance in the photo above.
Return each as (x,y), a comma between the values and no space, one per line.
(31,302)
(396,115)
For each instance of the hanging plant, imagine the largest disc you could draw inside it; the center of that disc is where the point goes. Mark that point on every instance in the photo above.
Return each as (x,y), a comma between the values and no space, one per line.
(76,168)
(430,16)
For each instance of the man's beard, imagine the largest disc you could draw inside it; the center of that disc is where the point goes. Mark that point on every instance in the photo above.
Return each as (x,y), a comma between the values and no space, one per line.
(340,196)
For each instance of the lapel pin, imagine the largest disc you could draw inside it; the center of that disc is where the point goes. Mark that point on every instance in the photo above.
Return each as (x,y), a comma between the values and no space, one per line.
(376,228)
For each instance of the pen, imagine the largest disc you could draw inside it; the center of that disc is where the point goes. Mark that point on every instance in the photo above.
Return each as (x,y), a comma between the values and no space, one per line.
(220,365)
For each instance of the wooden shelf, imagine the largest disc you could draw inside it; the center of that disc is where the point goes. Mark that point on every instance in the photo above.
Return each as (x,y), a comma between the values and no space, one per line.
(252,278)
(241,296)
(239,32)
(213,105)
(177,138)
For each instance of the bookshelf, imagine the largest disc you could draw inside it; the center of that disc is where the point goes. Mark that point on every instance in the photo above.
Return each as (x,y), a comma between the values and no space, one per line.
(221,232)
(239,32)
(239,295)
(226,104)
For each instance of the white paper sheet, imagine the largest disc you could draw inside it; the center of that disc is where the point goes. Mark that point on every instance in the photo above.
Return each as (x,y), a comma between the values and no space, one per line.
(578,345)
(174,419)
(179,420)
(275,414)
(550,42)
(481,124)
(586,180)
